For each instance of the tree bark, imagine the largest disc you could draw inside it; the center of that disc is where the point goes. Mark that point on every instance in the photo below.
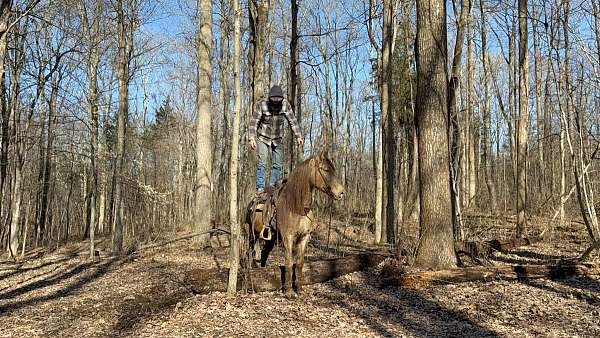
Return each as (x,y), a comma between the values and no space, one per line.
(234,255)
(453,85)
(5,117)
(295,99)
(471,175)
(539,99)
(93,62)
(486,143)
(523,122)
(203,189)
(387,121)
(124,48)
(436,244)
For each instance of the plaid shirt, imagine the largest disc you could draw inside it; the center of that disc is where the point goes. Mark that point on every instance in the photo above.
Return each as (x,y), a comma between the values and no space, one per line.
(268,125)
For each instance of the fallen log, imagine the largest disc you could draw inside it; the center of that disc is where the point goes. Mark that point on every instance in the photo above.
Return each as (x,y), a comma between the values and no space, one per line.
(204,281)
(488,274)
(486,248)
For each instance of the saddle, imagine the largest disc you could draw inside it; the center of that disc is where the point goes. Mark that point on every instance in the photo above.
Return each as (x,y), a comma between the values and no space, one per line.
(263,212)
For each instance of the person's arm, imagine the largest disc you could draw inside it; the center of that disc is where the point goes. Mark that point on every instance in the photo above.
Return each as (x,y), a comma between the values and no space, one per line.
(291,117)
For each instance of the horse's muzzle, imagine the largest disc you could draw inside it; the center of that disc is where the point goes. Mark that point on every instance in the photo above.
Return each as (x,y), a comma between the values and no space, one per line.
(337,197)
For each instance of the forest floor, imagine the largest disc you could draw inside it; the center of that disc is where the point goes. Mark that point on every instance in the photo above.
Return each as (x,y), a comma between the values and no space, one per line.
(62,293)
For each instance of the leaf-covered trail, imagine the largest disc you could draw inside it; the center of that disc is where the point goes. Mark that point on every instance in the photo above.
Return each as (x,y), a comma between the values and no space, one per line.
(63,294)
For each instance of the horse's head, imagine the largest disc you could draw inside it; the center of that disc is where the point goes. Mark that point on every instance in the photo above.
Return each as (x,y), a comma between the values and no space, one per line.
(325,178)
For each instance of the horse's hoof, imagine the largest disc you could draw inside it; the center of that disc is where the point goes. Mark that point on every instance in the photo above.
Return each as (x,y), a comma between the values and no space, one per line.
(290,295)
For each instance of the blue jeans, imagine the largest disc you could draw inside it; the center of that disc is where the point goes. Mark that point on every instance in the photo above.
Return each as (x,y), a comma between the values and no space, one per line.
(263,149)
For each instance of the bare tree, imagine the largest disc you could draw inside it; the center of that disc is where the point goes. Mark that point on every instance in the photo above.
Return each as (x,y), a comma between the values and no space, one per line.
(91,29)
(453,83)
(234,256)
(125,48)
(436,243)
(522,122)
(203,187)
(486,142)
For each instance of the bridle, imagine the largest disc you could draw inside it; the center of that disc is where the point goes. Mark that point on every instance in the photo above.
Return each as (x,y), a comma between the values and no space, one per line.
(327,187)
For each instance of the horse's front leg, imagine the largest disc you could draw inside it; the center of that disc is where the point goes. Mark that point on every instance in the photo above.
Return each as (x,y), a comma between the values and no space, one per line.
(305,227)
(288,244)
(300,249)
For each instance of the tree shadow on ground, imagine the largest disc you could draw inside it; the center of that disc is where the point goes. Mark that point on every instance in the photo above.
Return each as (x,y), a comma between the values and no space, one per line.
(583,288)
(20,270)
(406,308)
(158,300)
(98,269)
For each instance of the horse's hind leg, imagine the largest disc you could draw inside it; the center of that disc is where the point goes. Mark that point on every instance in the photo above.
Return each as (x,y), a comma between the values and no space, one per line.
(264,254)
(288,244)
(300,249)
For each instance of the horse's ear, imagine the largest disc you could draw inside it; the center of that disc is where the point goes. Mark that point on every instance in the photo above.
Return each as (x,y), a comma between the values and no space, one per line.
(322,155)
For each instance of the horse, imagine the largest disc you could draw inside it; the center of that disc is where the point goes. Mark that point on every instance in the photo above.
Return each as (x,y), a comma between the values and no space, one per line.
(292,214)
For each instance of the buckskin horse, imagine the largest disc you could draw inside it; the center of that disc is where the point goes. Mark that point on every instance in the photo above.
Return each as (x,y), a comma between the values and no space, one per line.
(291,213)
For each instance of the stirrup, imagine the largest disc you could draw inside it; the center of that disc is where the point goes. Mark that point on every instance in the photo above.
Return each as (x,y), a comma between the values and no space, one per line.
(266,234)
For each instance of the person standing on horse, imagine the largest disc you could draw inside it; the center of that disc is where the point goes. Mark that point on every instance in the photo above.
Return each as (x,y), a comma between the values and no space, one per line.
(266,132)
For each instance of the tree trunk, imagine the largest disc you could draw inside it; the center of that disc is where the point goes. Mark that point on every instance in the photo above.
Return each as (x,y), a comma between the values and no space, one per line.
(203,124)
(489,274)
(453,83)
(542,189)
(486,143)
(46,168)
(94,61)
(436,244)
(387,121)
(295,99)
(523,122)
(204,281)
(258,10)
(4,125)
(234,255)
(471,179)
(124,41)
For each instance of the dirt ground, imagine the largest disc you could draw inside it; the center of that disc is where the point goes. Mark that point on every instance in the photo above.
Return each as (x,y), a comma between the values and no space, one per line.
(63,294)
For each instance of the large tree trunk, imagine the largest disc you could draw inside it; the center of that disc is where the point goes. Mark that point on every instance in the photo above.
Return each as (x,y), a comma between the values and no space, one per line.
(234,255)
(523,122)
(124,43)
(203,210)
(436,244)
